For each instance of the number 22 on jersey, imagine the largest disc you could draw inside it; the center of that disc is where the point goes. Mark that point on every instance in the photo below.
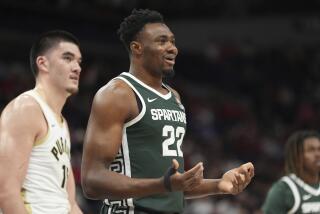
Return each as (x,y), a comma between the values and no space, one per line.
(173,135)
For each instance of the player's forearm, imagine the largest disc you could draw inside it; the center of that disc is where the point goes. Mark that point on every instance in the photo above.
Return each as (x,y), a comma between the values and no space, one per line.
(112,185)
(74,207)
(206,188)
(71,188)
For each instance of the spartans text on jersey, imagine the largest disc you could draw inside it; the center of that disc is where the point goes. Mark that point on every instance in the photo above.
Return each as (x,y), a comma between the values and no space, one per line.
(166,114)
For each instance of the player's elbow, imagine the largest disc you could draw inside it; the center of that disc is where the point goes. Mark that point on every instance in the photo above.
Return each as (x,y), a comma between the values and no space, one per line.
(96,189)
(89,188)
(89,192)
(93,186)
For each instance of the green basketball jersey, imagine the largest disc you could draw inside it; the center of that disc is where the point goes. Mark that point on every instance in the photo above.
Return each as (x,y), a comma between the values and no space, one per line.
(149,143)
(292,195)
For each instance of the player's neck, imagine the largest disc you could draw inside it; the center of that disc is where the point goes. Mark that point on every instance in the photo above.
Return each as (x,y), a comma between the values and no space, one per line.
(154,81)
(52,97)
(311,178)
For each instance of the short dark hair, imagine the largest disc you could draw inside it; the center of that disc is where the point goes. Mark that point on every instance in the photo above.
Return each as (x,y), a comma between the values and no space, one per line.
(133,24)
(45,42)
(294,151)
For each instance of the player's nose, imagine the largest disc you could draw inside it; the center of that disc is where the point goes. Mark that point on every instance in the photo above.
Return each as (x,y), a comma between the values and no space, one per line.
(77,67)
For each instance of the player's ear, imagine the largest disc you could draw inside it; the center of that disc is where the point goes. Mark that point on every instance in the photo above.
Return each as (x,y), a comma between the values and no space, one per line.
(136,47)
(42,63)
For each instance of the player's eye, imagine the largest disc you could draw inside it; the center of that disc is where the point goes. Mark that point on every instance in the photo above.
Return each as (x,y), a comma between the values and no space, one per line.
(162,41)
(67,58)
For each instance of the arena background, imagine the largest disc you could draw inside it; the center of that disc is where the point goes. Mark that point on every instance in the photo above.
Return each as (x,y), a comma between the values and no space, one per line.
(248,73)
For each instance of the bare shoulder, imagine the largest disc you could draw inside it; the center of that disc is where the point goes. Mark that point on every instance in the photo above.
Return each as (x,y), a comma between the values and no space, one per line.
(23,112)
(116,89)
(116,98)
(22,107)
(22,120)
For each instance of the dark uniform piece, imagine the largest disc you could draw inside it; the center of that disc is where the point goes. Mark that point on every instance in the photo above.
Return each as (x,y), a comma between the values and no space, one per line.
(292,195)
(149,143)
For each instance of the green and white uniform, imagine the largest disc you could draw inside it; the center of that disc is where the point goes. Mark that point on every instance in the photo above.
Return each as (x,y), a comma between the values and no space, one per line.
(292,195)
(44,188)
(149,143)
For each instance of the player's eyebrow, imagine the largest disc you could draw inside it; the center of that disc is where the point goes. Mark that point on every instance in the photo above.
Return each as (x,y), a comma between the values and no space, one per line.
(172,37)
(68,53)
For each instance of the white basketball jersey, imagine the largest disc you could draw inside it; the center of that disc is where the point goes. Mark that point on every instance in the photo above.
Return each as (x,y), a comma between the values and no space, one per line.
(44,188)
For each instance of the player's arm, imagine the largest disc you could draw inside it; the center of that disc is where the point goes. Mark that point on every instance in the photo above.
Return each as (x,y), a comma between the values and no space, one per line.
(71,188)
(233,182)
(114,105)
(19,127)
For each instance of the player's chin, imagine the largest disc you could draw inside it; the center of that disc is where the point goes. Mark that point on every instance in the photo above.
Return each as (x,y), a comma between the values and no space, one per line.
(73,90)
(169,72)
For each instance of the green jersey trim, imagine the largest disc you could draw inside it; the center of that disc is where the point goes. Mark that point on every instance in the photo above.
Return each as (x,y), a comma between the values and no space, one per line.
(295,193)
(121,165)
(143,110)
(164,96)
(305,186)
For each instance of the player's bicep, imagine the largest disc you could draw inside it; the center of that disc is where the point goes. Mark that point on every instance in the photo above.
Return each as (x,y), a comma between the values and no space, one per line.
(104,131)
(101,141)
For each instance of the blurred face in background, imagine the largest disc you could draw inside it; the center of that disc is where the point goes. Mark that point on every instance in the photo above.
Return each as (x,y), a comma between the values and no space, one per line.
(311,155)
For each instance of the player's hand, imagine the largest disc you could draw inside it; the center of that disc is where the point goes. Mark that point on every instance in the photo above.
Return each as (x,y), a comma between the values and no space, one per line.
(187,180)
(236,180)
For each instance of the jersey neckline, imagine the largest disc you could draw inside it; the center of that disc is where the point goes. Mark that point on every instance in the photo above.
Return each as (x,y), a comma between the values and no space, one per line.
(164,96)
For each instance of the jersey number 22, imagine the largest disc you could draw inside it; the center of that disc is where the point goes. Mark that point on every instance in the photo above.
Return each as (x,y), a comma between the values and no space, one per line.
(173,135)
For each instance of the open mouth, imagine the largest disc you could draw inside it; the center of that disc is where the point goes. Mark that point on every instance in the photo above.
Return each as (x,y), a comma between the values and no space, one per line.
(74,78)
(170,59)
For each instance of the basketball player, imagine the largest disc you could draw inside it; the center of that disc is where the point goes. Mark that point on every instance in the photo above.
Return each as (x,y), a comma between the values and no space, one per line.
(136,129)
(299,190)
(35,172)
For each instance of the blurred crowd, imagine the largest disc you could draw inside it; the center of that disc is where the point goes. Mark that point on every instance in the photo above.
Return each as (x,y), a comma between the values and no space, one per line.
(177,8)
(242,101)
